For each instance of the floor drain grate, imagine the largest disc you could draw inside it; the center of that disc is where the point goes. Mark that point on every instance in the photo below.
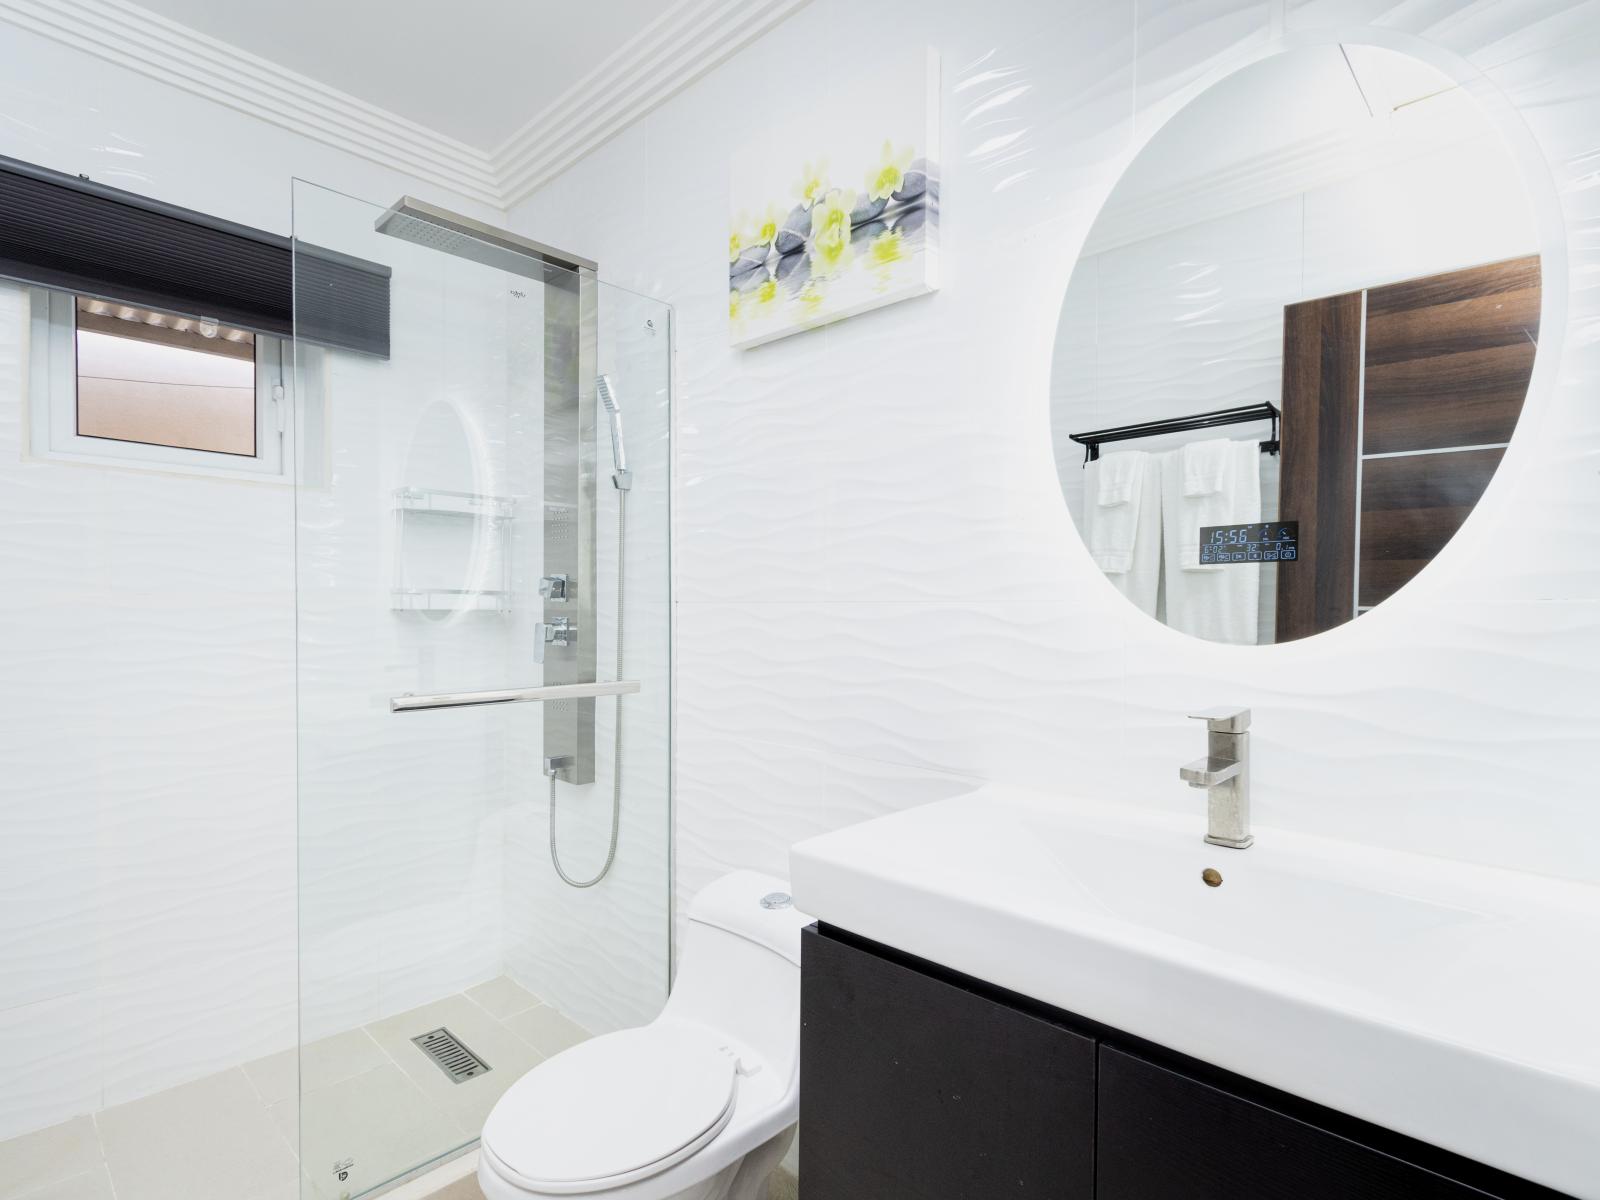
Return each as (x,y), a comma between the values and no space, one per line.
(451,1056)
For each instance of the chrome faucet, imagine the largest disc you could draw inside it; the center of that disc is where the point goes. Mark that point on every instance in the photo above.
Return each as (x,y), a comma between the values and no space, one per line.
(1225,774)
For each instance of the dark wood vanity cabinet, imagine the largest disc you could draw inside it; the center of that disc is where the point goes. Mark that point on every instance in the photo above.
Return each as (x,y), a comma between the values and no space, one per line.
(1161,1134)
(920,1084)
(913,1088)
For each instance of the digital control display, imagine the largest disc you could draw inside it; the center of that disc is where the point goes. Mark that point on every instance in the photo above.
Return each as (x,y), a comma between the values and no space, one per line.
(1275,541)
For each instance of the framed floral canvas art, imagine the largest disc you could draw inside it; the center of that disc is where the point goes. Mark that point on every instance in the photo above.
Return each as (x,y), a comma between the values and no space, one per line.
(838,213)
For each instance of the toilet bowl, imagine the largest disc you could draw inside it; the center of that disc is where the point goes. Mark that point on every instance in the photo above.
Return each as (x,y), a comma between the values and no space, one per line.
(701,1103)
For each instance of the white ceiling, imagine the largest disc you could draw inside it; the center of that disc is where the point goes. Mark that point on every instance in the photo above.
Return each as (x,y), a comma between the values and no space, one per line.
(475,70)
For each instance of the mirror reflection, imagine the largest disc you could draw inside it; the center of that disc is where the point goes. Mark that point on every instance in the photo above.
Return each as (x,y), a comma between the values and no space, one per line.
(1296,344)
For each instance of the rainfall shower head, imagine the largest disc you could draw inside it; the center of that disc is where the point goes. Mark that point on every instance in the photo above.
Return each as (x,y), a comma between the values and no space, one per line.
(607,392)
(425,224)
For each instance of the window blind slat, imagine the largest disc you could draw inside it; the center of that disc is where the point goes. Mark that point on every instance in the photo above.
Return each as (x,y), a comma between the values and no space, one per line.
(72,235)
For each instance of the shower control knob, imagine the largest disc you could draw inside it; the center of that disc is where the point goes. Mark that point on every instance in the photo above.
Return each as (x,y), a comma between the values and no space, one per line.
(556,587)
(559,632)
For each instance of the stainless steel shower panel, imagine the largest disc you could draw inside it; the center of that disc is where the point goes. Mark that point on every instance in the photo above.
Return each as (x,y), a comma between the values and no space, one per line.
(455,233)
(566,637)
(571,336)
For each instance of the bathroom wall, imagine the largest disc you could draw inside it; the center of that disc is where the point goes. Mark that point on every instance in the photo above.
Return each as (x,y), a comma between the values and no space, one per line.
(881,600)
(147,875)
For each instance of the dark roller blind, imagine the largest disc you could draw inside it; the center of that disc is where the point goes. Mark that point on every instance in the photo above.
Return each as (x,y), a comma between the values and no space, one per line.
(73,235)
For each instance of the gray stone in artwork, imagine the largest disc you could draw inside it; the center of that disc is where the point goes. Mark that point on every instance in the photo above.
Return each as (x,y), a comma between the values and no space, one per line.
(860,235)
(912,220)
(866,209)
(796,229)
(750,261)
(749,281)
(793,271)
(915,183)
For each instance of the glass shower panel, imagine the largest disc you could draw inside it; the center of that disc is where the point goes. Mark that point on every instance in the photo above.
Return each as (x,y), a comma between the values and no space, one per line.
(458,534)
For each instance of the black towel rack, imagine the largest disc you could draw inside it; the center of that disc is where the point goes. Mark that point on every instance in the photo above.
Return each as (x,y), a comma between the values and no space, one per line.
(1265,411)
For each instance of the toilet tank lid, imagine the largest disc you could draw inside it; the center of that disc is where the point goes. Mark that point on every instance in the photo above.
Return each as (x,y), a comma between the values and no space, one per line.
(754,906)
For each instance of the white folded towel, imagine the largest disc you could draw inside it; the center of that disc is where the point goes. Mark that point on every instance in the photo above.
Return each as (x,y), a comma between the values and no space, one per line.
(1217,602)
(1119,477)
(1207,466)
(1122,523)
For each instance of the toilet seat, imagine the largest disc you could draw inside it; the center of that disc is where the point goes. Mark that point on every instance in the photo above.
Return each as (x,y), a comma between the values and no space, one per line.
(614,1110)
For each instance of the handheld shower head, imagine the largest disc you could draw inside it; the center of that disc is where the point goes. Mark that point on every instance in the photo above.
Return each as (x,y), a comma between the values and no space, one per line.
(607,392)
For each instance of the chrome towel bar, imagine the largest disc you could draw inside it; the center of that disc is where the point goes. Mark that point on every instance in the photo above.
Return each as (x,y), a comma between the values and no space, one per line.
(535,695)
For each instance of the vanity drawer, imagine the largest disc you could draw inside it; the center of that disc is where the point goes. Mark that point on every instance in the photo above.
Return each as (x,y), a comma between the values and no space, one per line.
(1166,1136)
(918,1089)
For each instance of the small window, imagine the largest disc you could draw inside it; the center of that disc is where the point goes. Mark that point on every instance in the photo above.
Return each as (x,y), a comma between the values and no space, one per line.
(164,380)
(116,382)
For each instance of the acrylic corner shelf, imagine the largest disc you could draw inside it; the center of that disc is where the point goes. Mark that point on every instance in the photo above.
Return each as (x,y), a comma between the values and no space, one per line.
(454,504)
(446,600)
(404,594)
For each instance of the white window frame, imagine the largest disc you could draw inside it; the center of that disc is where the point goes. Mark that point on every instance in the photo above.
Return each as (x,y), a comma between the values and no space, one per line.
(53,405)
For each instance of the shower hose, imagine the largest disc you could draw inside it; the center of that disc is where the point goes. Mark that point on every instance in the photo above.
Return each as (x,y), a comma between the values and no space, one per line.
(616,759)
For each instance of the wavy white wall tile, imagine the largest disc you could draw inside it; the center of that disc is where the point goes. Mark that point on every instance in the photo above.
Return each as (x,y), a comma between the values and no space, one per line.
(1486,33)
(147,879)
(1186,44)
(881,596)
(149,784)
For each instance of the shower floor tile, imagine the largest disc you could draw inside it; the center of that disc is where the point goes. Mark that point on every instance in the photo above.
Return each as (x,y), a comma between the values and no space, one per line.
(546,1030)
(50,1156)
(91,1185)
(380,1123)
(196,1141)
(502,998)
(370,1095)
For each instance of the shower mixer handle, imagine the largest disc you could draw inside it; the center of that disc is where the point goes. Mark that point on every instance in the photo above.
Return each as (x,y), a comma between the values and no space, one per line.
(559,632)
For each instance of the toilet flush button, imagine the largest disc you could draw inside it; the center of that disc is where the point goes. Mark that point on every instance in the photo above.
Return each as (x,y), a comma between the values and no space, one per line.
(777,900)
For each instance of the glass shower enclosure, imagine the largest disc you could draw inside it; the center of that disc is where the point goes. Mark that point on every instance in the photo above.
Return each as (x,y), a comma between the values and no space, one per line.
(483,674)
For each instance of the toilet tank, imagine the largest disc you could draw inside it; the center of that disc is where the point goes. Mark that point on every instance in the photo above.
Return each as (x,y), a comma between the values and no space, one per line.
(739,971)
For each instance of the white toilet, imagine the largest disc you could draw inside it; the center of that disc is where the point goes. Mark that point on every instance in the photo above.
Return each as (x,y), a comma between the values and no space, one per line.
(701,1103)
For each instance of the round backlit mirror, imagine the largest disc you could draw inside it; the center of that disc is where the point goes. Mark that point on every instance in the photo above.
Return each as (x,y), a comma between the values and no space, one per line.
(1296,344)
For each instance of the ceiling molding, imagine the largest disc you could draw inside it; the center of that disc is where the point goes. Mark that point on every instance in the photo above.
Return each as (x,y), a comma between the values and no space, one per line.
(184,58)
(663,58)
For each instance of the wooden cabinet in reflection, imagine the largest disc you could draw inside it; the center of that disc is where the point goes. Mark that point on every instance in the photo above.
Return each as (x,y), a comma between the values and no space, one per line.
(1398,403)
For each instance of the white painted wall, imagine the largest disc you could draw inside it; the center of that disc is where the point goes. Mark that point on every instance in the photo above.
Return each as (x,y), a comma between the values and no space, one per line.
(881,598)
(147,872)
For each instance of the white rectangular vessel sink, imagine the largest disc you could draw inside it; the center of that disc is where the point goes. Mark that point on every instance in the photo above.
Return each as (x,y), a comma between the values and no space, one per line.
(1454,1003)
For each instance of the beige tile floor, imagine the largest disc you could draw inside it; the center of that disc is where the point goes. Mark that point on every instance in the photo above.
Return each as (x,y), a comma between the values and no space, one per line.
(370,1095)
